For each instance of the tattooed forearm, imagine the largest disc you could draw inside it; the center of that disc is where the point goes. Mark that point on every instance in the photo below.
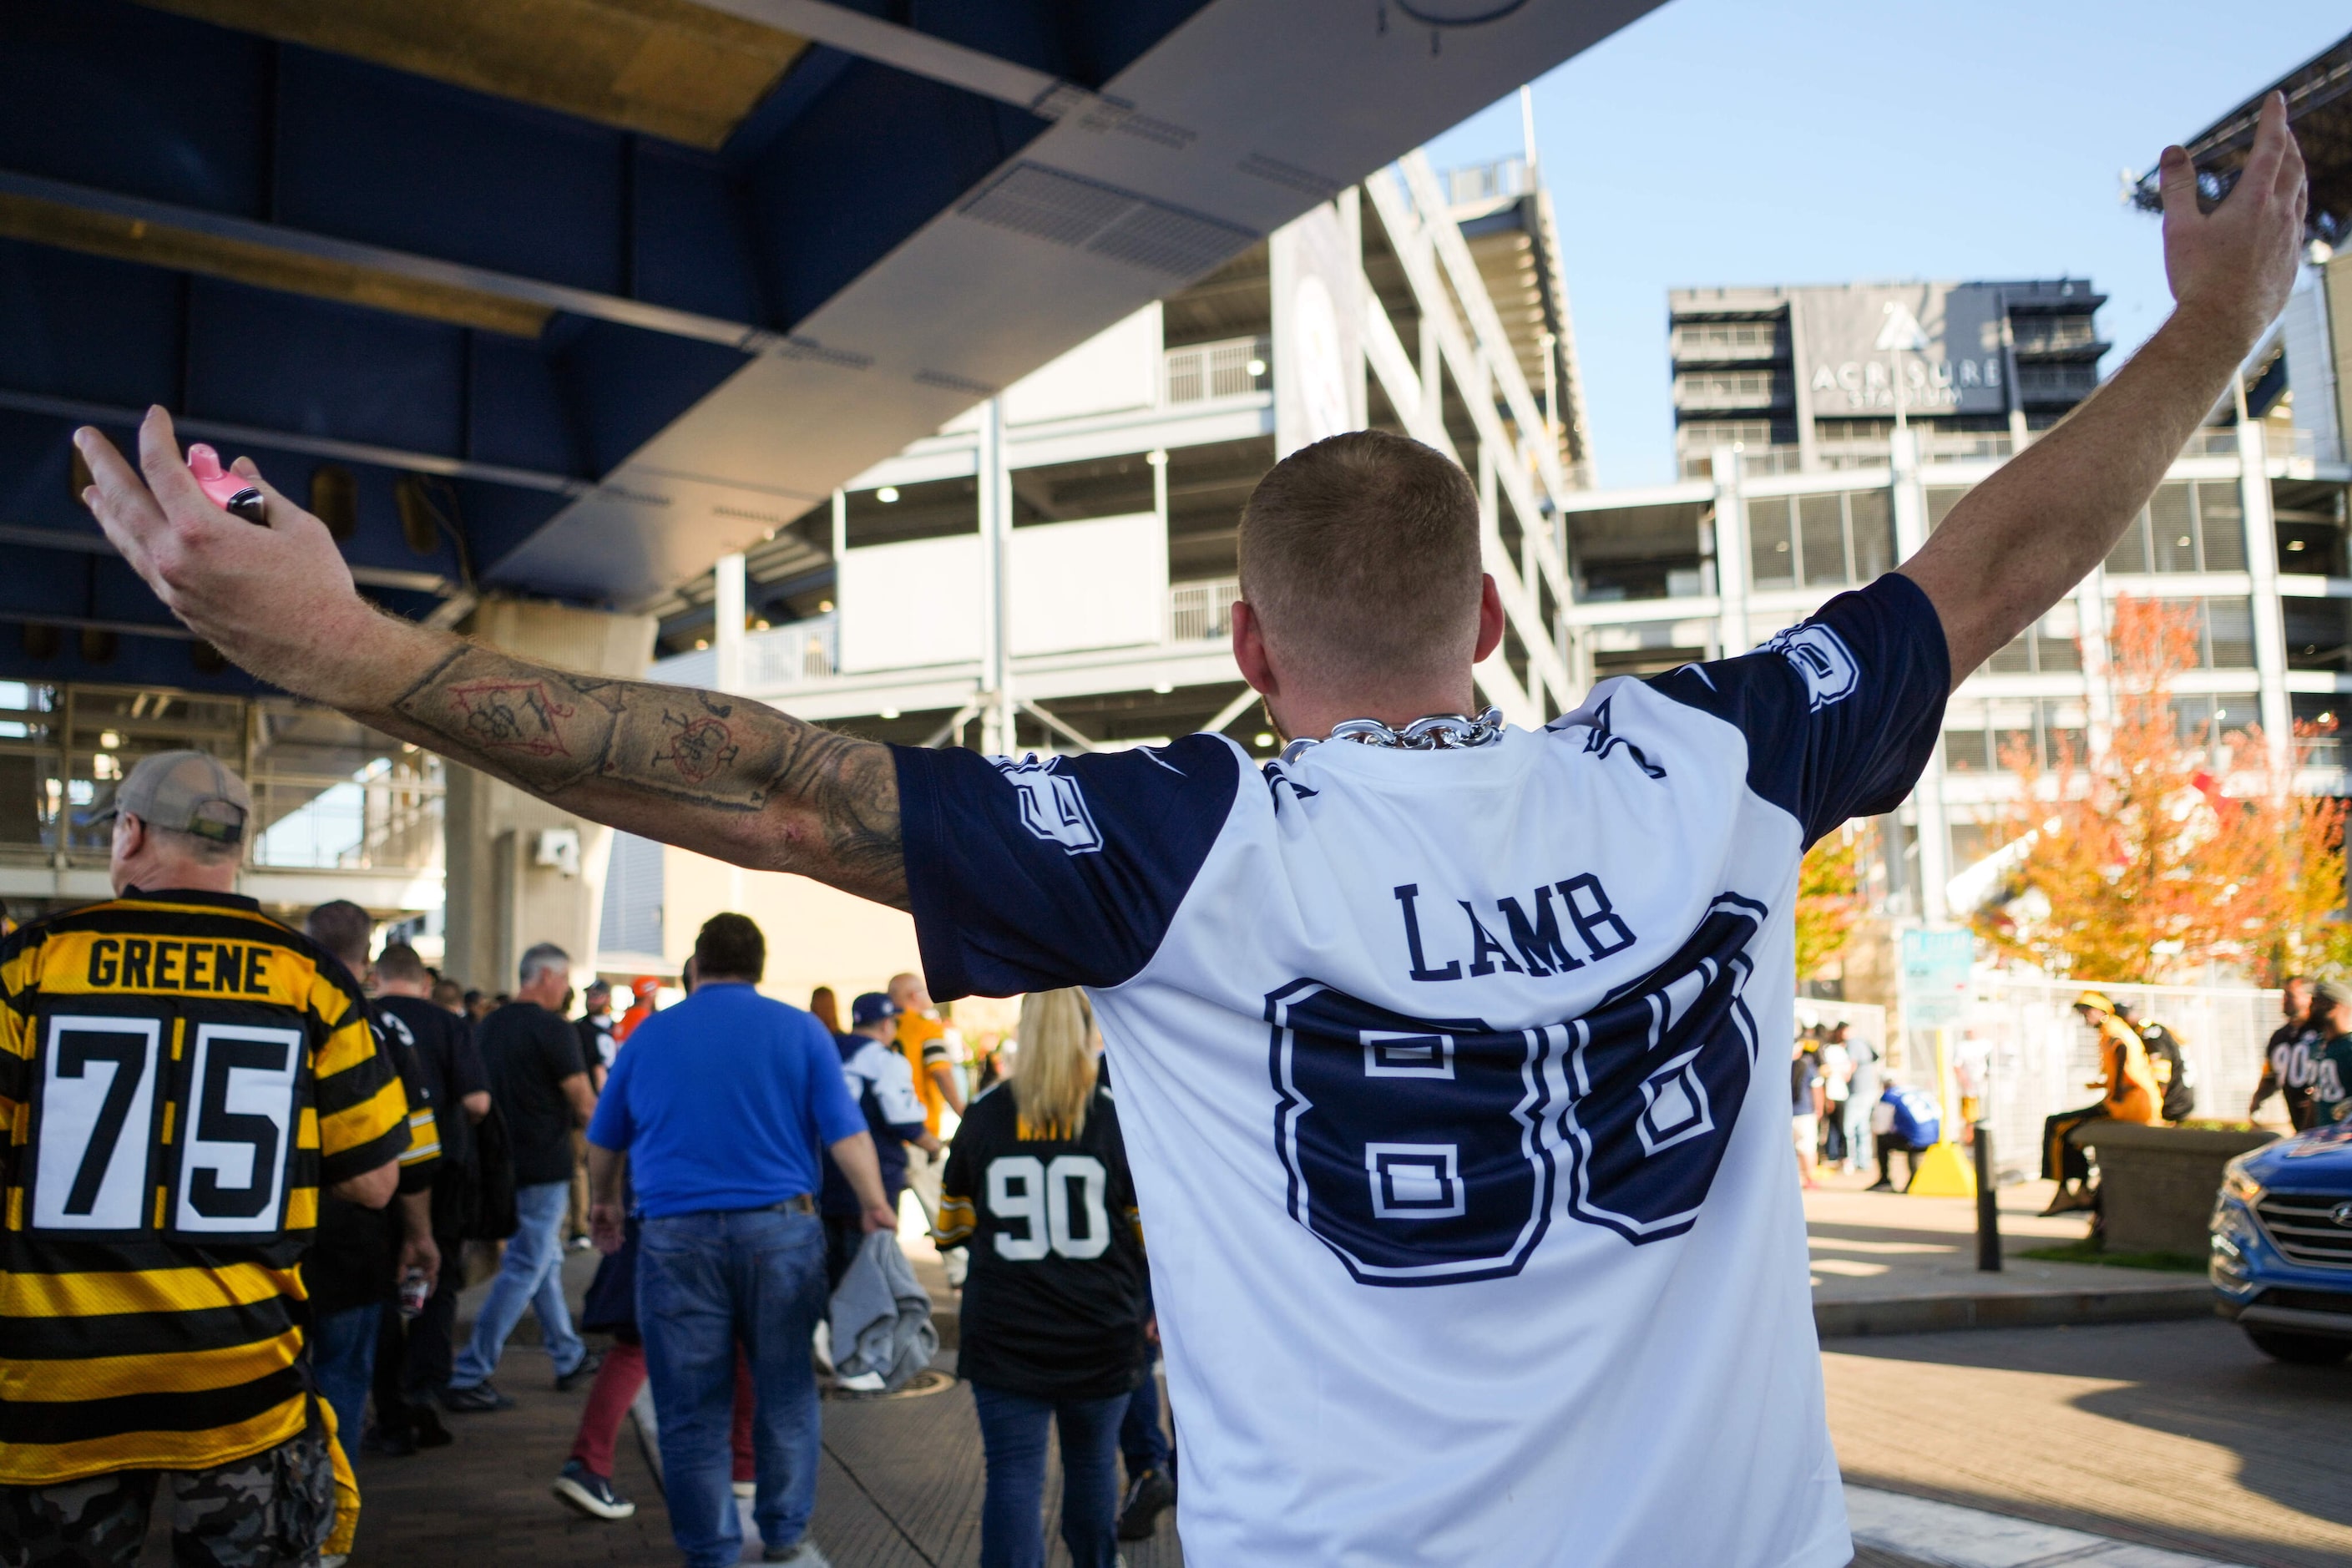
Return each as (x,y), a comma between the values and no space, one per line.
(763,788)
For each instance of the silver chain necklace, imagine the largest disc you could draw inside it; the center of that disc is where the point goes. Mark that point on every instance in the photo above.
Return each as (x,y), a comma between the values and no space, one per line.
(1437,733)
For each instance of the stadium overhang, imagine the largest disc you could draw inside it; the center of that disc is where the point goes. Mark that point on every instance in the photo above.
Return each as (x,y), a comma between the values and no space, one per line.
(2319,110)
(568,298)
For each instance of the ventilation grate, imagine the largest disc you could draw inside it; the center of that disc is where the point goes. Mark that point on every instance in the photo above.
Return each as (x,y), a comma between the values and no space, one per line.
(950,382)
(1105,220)
(1290,176)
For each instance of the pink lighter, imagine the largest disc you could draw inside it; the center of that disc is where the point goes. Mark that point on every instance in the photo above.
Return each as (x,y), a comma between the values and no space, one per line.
(231,492)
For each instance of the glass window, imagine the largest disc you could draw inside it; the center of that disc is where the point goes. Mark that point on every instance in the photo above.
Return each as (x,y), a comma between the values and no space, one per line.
(2228,626)
(1873,533)
(2172,529)
(1772,560)
(2221,526)
(2130,555)
(1941,502)
(1821,527)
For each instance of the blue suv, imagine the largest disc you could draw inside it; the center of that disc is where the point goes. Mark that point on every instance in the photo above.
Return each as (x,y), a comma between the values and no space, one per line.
(2282,1262)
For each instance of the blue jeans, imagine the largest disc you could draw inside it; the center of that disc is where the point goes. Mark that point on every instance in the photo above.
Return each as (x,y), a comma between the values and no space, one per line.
(707,1283)
(1012,1432)
(343,1359)
(1141,1443)
(530,1275)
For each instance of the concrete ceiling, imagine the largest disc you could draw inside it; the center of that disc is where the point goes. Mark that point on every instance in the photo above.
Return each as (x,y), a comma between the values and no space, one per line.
(582,294)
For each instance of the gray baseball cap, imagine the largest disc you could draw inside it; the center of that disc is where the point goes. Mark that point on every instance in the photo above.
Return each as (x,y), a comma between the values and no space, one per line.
(188,792)
(2333,993)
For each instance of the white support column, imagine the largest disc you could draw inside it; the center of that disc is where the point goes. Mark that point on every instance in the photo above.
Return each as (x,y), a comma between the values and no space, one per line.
(1910,508)
(995,489)
(2093,621)
(1730,551)
(726,612)
(2262,565)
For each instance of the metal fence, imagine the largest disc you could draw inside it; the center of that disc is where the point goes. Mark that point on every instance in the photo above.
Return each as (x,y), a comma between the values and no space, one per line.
(2022,1050)
(1200,611)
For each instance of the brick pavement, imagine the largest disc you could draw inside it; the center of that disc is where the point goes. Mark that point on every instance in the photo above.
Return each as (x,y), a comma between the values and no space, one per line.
(902,1479)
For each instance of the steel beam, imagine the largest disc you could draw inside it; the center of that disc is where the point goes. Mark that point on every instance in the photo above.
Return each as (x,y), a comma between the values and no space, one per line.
(165,224)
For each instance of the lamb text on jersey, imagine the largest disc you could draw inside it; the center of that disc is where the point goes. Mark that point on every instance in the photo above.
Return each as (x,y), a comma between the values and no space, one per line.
(1532,942)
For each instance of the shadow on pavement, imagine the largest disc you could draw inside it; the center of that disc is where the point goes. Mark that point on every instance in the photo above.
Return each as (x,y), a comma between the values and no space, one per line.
(2242,1458)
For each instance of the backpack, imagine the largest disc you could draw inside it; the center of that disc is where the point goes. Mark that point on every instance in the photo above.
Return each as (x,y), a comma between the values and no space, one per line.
(2173,1075)
(482,1203)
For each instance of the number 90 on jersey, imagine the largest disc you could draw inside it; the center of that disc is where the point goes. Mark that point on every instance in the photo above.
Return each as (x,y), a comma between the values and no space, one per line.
(1426,1151)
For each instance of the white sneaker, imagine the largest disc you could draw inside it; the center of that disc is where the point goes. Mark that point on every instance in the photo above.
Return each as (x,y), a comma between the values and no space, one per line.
(861,1382)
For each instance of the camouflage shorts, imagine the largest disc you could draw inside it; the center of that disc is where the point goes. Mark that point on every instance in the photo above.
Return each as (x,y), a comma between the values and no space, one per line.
(270,1510)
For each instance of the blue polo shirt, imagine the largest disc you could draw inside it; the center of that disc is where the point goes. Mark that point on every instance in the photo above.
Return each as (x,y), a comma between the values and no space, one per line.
(724,1101)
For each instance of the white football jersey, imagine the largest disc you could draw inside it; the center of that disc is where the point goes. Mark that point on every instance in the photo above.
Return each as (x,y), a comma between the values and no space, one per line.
(1454,1083)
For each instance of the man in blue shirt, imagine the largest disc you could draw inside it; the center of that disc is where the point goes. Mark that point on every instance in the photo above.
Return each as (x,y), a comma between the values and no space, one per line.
(726,1106)
(884,1086)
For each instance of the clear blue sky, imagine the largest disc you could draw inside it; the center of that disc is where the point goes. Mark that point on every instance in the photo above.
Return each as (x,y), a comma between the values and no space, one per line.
(1723,141)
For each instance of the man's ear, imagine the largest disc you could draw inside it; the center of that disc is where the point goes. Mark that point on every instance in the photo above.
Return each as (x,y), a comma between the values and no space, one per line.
(1490,618)
(1249,651)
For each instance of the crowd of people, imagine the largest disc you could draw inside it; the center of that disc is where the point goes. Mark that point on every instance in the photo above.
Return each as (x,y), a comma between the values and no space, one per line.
(734,1158)
(1847,1105)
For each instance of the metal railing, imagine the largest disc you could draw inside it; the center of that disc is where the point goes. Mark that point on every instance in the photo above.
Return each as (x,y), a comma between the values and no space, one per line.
(1730,389)
(1960,444)
(1230,368)
(788,655)
(1475,182)
(1202,611)
(387,817)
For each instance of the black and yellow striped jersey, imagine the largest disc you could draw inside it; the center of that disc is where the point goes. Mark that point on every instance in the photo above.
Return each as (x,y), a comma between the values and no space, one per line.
(180,1075)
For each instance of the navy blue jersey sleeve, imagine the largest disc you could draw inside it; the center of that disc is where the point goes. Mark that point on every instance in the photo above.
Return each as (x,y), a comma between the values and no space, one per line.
(1841,711)
(1028,875)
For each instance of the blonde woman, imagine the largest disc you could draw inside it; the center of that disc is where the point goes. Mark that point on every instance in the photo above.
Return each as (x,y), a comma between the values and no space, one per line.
(1037,1188)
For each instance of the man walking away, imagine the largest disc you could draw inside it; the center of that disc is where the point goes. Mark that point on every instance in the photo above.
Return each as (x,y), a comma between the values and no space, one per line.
(1805,1106)
(725,1106)
(1433,1033)
(541,1085)
(884,1088)
(1861,1098)
(922,1040)
(355,1268)
(2291,1060)
(148,1326)
(413,1354)
(2176,1083)
(2130,1096)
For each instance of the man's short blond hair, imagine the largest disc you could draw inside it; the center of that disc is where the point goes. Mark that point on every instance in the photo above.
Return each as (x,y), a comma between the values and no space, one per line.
(1360,557)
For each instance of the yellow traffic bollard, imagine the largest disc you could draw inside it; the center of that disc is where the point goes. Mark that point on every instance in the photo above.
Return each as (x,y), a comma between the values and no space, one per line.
(1942,1172)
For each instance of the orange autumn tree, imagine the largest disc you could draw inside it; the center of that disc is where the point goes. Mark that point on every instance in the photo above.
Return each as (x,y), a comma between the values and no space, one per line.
(2151,858)
(1828,899)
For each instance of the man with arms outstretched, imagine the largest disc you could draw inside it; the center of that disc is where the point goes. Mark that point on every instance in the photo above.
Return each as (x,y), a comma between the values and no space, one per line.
(1466,1186)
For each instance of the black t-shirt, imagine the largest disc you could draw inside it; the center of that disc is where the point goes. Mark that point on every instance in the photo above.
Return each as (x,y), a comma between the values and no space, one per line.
(446,1062)
(530,1052)
(354,1258)
(2290,1066)
(596,1040)
(1055,1302)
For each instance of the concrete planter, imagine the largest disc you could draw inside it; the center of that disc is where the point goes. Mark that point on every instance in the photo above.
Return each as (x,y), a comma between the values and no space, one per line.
(2158,1182)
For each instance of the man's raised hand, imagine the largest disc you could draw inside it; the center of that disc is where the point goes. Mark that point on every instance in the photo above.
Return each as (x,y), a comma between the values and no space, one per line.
(2235,265)
(277,600)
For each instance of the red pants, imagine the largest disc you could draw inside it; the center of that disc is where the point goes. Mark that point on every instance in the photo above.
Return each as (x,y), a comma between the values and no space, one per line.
(616,1389)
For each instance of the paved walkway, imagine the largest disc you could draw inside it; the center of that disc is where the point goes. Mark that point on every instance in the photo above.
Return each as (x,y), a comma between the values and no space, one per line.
(2170,1437)
(1890,1263)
